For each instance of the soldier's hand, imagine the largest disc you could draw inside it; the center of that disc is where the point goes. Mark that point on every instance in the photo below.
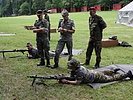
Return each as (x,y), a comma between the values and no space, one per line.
(64,81)
(60,29)
(34,30)
(65,30)
(33,27)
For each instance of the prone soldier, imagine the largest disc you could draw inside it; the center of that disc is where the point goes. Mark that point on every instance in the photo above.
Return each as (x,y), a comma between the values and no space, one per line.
(84,75)
(33,52)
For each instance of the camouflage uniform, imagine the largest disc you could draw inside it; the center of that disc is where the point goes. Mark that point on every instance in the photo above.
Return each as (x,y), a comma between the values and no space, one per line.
(84,75)
(47,18)
(42,40)
(96,26)
(65,38)
(33,53)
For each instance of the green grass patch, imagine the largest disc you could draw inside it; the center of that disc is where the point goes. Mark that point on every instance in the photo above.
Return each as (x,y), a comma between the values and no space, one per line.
(14,84)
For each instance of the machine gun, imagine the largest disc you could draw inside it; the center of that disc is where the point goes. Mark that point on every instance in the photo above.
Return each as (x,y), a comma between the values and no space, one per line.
(15,50)
(50,77)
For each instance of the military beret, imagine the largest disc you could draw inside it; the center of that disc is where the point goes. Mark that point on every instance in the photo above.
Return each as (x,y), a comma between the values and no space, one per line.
(64,13)
(92,8)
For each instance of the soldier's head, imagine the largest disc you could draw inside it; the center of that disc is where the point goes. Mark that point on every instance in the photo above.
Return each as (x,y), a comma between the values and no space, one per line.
(29,46)
(45,11)
(92,11)
(39,14)
(73,64)
(65,14)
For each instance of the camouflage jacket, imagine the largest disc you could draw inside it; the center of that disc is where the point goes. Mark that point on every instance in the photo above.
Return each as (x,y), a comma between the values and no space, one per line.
(42,24)
(83,75)
(69,25)
(96,26)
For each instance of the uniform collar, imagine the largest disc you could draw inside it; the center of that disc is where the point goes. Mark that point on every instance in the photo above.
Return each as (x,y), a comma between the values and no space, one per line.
(67,20)
(93,16)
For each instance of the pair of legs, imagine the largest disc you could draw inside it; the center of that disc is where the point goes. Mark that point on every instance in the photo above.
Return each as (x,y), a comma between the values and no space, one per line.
(97,45)
(59,49)
(109,76)
(43,50)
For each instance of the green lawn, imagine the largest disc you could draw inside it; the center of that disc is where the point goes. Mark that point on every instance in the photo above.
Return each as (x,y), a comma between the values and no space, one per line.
(14,84)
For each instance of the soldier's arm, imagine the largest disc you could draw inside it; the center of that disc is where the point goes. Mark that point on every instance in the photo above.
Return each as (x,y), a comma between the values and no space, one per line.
(43,29)
(78,79)
(48,18)
(75,82)
(40,30)
(102,23)
(72,30)
(60,29)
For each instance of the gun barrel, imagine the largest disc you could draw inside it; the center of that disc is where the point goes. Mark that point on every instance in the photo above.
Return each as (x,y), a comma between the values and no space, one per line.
(43,77)
(15,50)
(1,51)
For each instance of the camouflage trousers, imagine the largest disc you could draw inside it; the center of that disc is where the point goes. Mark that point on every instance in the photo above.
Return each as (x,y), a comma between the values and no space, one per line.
(108,76)
(97,45)
(60,47)
(43,48)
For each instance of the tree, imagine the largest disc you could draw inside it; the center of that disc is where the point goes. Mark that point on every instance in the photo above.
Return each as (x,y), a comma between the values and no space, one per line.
(77,3)
(24,9)
(38,4)
(6,8)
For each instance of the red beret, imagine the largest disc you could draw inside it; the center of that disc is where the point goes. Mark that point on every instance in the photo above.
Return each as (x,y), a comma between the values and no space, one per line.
(92,8)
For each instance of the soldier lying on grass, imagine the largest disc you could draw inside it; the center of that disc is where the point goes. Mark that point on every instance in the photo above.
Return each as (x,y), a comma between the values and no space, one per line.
(84,75)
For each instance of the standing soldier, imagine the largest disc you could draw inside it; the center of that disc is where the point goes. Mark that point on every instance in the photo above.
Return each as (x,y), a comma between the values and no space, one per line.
(41,30)
(66,28)
(46,16)
(96,26)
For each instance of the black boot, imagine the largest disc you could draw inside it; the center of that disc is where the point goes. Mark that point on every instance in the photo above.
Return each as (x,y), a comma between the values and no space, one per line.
(55,66)
(129,74)
(116,70)
(70,57)
(48,63)
(97,65)
(86,63)
(42,63)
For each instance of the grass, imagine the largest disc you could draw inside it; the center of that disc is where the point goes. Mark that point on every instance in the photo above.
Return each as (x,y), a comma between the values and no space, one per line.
(14,84)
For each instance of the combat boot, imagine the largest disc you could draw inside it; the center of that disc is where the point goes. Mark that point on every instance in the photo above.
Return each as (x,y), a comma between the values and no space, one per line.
(70,57)
(86,63)
(97,65)
(42,63)
(129,74)
(48,63)
(55,66)
(116,70)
